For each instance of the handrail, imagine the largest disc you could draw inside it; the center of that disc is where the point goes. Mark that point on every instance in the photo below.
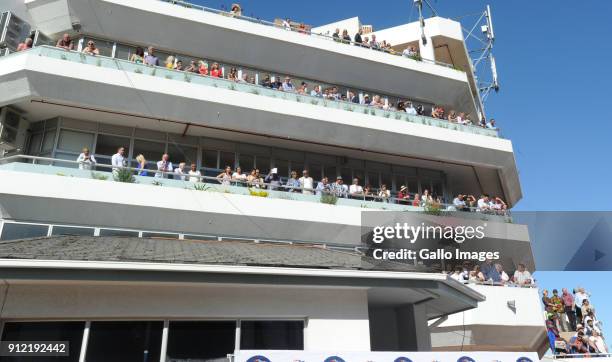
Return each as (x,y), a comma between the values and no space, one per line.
(441,207)
(186,4)
(303,98)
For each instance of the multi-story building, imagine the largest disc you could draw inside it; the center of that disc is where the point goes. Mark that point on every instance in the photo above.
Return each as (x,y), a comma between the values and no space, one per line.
(168,269)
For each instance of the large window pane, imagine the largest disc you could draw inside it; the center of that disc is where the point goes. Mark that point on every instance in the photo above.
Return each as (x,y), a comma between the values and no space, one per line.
(272,335)
(124,341)
(315,171)
(209,159)
(48,141)
(65,230)
(108,145)
(152,151)
(21,231)
(246,162)
(215,340)
(263,164)
(120,233)
(74,141)
(45,331)
(35,141)
(227,159)
(179,153)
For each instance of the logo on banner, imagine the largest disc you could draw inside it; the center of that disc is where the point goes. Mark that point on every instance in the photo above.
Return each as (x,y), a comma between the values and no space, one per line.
(524,359)
(402,359)
(465,359)
(258,359)
(333,359)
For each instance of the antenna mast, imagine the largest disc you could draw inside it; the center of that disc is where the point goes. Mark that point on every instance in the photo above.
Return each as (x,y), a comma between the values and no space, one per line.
(482,53)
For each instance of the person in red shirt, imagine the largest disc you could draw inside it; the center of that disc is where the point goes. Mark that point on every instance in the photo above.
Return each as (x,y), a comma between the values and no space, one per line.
(403,195)
(215,71)
(417,200)
(27,44)
(568,305)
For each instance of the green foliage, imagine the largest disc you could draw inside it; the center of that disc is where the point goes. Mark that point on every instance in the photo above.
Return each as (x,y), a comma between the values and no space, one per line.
(329,199)
(201,187)
(138,71)
(417,57)
(124,175)
(99,176)
(157,183)
(433,209)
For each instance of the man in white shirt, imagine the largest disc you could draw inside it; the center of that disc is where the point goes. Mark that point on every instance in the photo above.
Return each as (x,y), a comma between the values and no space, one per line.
(459,203)
(522,276)
(491,124)
(580,296)
(287,85)
(306,183)
(180,172)
(355,190)
(194,174)
(410,109)
(118,160)
(164,165)
(458,274)
(86,160)
(316,92)
(483,203)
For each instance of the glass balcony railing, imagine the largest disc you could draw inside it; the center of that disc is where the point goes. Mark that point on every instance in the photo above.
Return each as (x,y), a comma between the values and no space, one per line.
(58,167)
(182,76)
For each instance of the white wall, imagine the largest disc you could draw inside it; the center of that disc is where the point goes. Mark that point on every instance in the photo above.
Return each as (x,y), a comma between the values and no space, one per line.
(336,318)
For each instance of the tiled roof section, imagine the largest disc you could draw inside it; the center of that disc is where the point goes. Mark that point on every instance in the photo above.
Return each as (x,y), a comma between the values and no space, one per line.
(132,249)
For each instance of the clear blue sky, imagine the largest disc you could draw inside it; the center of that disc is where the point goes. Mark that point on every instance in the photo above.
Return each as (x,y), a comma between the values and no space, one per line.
(554,63)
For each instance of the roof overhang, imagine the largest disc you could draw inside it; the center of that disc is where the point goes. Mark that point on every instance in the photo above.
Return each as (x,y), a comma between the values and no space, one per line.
(441,294)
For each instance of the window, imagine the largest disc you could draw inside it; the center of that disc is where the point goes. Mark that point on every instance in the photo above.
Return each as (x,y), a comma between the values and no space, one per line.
(346,176)
(35,142)
(124,341)
(45,331)
(331,173)
(283,167)
(74,141)
(120,233)
(287,335)
(263,164)
(108,145)
(209,159)
(63,230)
(179,153)
(215,340)
(151,150)
(314,169)
(246,162)
(48,141)
(12,231)
(386,180)
(227,159)
(159,235)
(373,179)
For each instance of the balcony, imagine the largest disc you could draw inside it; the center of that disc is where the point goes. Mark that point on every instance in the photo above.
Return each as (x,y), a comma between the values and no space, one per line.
(150,97)
(261,44)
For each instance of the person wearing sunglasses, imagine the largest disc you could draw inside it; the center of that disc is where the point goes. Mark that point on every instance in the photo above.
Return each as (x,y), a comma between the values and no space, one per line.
(91,49)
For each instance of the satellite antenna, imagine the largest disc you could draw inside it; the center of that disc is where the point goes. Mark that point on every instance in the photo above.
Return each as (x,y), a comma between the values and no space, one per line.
(482,53)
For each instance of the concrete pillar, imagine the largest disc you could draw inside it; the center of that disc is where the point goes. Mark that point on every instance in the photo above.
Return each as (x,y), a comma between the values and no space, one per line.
(412,329)
(427,49)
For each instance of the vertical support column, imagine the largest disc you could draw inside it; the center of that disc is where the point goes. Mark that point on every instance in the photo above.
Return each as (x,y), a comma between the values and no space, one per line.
(237,336)
(413,331)
(426,49)
(84,342)
(164,342)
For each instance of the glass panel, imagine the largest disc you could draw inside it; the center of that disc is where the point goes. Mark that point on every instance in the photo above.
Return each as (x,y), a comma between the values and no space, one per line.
(63,230)
(413,185)
(346,175)
(315,171)
(227,159)
(215,340)
(373,180)
(68,157)
(152,151)
(130,341)
(386,180)
(360,174)
(120,233)
(180,153)
(246,162)
(8,135)
(272,335)
(263,164)
(45,331)
(437,189)
(283,167)
(124,51)
(209,159)
(297,166)
(331,173)
(108,145)
(35,142)
(49,141)
(160,235)
(74,141)
(12,231)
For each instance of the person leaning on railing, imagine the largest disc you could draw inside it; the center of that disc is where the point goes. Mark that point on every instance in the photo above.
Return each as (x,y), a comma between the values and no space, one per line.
(86,160)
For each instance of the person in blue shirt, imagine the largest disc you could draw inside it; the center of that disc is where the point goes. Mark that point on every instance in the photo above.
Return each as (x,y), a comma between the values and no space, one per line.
(293,184)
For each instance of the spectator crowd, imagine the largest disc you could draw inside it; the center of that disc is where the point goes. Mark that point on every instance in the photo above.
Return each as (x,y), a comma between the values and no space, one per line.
(491,273)
(303,183)
(332,93)
(575,314)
